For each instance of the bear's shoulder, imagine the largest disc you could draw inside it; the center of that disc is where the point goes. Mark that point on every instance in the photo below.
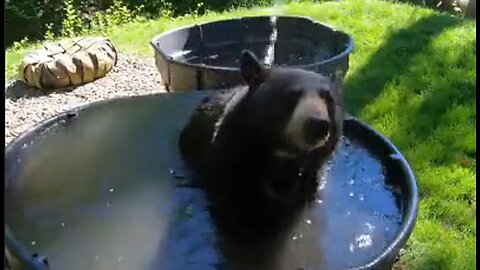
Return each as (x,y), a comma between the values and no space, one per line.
(197,134)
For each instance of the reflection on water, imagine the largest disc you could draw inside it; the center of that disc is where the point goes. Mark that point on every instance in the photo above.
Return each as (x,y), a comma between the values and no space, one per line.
(292,52)
(270,53)
(108,191)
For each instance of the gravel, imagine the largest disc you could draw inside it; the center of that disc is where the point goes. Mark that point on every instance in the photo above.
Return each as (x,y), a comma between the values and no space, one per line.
(24,106)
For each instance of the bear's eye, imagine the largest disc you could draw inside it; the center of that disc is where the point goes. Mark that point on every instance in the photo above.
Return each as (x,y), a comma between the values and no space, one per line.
(324,94)
(287,102)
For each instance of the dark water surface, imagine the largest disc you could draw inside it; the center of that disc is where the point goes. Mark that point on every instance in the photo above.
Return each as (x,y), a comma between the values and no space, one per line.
(105,190)
(281,53)
(274,43)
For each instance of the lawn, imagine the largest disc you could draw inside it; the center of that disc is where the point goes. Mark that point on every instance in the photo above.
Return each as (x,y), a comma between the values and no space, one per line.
(412,76)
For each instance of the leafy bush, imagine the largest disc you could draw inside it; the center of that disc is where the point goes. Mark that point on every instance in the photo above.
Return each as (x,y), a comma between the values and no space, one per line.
(27,18)
(38,19)
(76,23)
(72,23)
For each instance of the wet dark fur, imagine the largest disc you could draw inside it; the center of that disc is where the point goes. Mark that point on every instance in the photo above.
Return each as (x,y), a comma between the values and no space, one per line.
(239,167)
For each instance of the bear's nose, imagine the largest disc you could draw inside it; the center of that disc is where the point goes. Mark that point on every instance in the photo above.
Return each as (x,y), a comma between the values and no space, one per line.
(315,129)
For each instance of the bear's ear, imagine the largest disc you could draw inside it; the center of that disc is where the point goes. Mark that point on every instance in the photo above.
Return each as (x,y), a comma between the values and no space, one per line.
(252,71)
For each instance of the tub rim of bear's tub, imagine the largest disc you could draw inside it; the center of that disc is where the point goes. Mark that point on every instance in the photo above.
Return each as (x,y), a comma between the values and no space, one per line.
(386,258)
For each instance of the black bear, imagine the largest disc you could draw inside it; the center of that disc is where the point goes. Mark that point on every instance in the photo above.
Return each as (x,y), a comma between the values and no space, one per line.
(257,148)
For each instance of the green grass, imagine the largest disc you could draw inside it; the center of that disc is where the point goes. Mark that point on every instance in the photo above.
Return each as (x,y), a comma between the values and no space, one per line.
(412,76)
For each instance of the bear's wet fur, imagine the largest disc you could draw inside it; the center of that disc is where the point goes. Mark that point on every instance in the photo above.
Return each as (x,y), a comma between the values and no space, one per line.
(232,139)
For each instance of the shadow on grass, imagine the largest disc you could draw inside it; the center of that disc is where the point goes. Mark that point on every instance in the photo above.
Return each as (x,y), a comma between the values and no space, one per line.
(439,129)
(448,93)
(393,59)
(435,105)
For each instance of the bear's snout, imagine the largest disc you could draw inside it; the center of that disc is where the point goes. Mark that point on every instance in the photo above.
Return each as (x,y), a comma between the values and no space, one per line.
(315,130)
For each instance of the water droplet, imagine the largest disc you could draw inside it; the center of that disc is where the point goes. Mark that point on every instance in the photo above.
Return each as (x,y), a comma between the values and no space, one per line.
(62,224)
(361,197)
(363,240)
(107,204)
(24,146)
(351,182)
(111,190)
(308,221)
(319,201)
(33,243)
(176,174)
(323,184)
(297,236)
(348,213)
(370,227)
(120,259)
(350,194)
(96,257)
(351,247)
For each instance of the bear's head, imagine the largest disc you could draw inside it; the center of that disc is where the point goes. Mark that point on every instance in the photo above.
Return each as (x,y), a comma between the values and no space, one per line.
(293,111)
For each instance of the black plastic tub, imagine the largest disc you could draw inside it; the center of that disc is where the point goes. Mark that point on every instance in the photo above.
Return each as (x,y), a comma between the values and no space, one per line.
(103,187)
(205,56)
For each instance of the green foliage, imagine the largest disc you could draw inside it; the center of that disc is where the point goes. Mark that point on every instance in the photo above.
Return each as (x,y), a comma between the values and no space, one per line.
(183,7)
(153,8)
(49,35)
(75,23)
(118,13)
(99,21)
(72,23)
(25,18)
(19,44)
(165,9)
